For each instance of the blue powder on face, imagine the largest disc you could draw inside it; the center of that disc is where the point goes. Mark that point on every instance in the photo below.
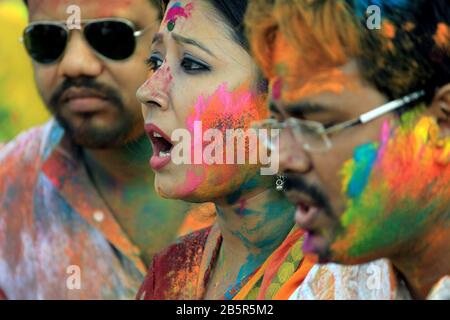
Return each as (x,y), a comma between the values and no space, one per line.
(364,157)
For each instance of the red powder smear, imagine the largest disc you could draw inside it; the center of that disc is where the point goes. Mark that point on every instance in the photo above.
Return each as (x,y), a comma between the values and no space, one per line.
(177,11)
(159,81)
(276,88)
(442,35)
(384,140)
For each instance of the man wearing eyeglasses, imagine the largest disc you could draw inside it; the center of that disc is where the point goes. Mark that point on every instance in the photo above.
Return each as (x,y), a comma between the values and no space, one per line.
(79,218)
(365,118)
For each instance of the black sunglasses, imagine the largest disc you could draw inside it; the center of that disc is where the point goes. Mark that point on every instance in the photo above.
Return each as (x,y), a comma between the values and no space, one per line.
(110,38)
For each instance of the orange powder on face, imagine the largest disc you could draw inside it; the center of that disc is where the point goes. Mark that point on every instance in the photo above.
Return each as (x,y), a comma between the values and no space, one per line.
(308,70)
(330,81)
(442,36)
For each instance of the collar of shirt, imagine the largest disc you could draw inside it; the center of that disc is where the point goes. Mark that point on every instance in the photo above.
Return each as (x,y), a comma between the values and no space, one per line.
(65,169)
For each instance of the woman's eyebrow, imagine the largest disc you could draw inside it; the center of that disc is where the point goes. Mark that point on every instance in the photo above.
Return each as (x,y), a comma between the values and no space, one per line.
(192,42)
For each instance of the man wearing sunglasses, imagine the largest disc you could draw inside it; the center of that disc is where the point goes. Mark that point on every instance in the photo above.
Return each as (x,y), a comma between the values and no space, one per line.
(79,218)
(365,120)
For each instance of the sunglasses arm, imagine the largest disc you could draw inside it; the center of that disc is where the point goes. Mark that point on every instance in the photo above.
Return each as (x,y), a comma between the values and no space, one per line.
(139,33)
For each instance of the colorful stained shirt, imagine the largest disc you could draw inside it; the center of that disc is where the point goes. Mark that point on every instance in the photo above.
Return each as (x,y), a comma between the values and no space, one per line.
(58,239)
(441,290)
(376,280)
(181,272)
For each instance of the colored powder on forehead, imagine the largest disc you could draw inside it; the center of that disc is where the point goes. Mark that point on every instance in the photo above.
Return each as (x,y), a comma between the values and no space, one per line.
(333,81)
(409,190)
(177,11)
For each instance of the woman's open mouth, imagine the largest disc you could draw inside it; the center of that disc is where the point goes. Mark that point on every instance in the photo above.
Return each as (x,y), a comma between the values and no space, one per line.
(162,146)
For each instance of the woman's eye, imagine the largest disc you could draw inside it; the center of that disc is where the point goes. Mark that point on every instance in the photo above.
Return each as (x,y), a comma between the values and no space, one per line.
(154,62)
(193,66)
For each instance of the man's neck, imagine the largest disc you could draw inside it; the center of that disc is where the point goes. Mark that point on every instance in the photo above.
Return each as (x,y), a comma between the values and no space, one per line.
(425,264)
(252,228)
(125,182)
(123,164)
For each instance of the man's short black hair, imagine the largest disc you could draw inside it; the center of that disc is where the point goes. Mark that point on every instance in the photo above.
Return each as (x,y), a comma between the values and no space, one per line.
(412,59)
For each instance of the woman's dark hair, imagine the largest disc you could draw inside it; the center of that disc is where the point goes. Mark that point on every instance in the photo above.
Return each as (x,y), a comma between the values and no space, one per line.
(233,13)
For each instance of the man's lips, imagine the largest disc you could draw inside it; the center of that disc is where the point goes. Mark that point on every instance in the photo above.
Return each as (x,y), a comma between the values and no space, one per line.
(82,100)
(308,217)
(307,211)
(161,144)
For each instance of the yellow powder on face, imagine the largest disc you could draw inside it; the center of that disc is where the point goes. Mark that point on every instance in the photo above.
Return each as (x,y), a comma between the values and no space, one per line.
(442,35)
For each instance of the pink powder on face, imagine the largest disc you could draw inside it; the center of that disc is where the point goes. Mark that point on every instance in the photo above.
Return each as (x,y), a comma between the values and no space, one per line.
(223,109)
(384,139)
(159,82)
(191,183)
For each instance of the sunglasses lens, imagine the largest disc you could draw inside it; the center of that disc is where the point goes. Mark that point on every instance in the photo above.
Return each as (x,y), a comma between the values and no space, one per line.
(112,39)
(45,43)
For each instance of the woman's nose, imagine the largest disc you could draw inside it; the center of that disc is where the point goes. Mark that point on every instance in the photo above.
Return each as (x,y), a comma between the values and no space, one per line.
(154,92)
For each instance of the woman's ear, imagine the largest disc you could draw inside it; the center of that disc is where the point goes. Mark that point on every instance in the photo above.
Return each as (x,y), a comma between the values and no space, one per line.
(440,109)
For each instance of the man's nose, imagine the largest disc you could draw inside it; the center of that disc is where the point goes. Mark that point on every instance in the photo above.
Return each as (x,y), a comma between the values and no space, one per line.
(292,155)
(79,59)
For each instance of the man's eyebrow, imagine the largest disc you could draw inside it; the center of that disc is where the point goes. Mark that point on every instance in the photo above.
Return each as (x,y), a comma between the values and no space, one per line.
(191,42)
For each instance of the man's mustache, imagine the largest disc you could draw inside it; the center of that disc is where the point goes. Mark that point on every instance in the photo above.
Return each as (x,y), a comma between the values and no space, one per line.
(297,183)
(86,83)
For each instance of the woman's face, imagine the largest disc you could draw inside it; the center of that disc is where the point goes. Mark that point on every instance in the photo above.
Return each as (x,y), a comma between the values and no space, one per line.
(202,79)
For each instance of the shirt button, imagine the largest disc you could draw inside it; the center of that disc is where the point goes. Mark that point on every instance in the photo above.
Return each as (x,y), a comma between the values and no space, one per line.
(99,216)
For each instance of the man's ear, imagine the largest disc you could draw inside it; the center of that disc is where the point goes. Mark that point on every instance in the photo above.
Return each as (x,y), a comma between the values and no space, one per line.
(440,109)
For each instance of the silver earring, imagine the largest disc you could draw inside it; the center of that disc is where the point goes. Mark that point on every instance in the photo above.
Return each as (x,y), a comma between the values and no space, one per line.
(279,183)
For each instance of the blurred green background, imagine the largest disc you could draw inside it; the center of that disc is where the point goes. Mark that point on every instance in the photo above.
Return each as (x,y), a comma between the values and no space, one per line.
(20,104)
